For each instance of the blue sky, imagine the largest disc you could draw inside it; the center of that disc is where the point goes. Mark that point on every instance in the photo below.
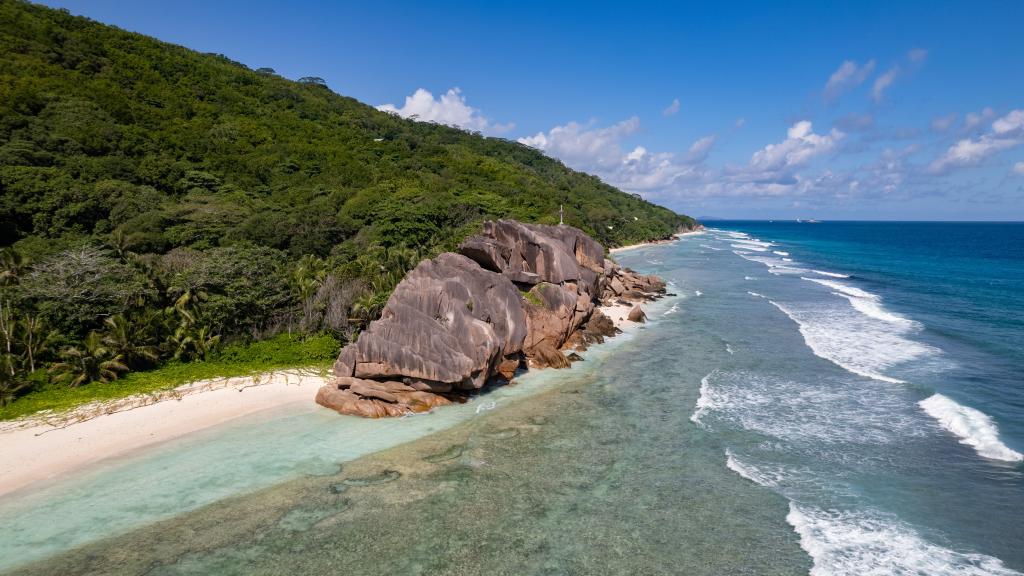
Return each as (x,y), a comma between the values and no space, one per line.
(861,110)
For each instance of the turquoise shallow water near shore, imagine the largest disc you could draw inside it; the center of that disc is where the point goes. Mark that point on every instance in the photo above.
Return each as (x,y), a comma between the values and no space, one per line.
(815,398)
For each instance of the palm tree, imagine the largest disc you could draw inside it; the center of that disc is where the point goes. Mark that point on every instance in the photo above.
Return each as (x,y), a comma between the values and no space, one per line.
(192,343)
(12,265)
(92,362)
(11,380)
(130,340)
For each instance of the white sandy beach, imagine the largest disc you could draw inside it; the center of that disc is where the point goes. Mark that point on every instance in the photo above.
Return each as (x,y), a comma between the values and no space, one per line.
(642,244)
(40,448)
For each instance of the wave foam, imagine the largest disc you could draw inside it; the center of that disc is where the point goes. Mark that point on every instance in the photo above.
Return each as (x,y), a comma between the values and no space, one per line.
(754,247)
(755,294)
(672,310)
(855,343)
(832,274)
(780,252)
(705,402)
(973,427)
(863,544)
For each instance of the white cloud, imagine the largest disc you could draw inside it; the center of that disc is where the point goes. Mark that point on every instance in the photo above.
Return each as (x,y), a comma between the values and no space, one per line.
(974,119)
(578,144)
(801,144)
(1011,124)
(672,109)
(943,123)
(600,150)
(1006,132)
(917,55)
(883,82)
(1018,168)
(451,109)
(740,122)
(848,75)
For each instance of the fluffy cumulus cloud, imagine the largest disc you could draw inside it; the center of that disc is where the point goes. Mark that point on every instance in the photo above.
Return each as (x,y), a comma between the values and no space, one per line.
(450,108)
(849,75)
(1004,133)
(602,151)
(672,108)
(801,144)
(1018,168)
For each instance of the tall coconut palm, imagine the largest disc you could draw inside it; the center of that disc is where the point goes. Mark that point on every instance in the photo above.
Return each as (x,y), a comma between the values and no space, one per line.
(92,361)
(132,341)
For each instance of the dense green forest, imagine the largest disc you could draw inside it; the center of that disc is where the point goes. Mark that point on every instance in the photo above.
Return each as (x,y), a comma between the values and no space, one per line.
(157,203)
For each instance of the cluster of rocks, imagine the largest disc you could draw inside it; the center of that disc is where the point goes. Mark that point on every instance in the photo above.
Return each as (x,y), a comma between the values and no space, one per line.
(515,295)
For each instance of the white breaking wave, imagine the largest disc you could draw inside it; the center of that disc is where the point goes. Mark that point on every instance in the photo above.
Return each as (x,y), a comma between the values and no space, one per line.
(805,416)
(754,247)
(866,303)
(749,278)
(787,259)
(871,307)
(832,274)
(751,473)
(973,427)
(853,341)
(851,543)
(736,234)
(672,310)
(844,288)
(698,293)
(728,348)
(705,402)
(755,294)
(710,247)
(780,252)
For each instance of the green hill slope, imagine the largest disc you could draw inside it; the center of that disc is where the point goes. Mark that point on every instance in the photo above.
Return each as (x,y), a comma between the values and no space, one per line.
(186,191)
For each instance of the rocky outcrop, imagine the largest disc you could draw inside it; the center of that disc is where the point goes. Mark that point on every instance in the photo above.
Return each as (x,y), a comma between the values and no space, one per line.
(514,294)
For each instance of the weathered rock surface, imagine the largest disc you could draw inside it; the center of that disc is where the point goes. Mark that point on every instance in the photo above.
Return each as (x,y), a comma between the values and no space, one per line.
(515,292)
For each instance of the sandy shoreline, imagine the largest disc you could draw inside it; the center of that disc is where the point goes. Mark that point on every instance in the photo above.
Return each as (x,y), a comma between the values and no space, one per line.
(653,243)
(39,448)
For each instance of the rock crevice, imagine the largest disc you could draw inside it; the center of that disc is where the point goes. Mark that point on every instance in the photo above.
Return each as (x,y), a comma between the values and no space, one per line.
(515,293)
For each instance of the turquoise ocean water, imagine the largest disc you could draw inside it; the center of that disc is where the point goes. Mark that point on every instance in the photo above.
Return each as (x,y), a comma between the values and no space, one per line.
(832,398)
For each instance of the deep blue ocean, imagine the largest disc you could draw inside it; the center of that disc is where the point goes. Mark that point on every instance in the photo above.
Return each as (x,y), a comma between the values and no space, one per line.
(901,453)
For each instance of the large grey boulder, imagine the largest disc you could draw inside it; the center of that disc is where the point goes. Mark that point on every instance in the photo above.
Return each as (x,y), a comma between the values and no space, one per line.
(515,291)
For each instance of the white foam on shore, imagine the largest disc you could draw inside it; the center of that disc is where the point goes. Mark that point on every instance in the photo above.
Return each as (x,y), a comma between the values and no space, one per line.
(973,427)
(709,247)
(832,274)
(852,543)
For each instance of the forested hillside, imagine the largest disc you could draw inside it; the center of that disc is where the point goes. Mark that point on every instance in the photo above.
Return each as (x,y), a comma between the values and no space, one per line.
(156,202)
